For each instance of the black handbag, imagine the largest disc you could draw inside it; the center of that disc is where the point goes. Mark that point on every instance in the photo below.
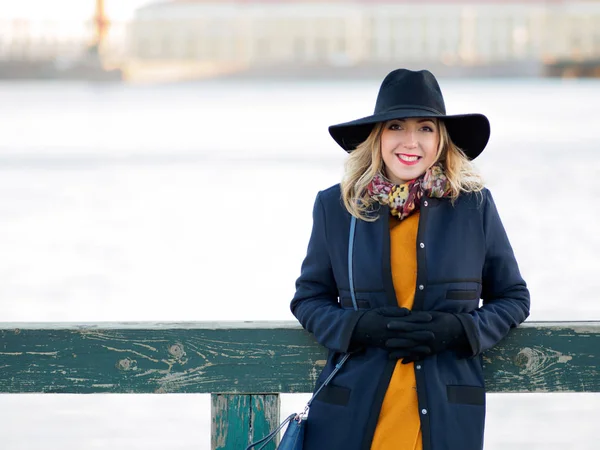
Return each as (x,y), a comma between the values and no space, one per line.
(293,438)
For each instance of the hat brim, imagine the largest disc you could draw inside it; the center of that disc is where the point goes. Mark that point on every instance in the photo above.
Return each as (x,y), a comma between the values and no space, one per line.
(470,132)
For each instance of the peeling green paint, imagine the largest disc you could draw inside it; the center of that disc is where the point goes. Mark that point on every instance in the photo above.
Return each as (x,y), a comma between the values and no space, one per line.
(238,420)
(249,358)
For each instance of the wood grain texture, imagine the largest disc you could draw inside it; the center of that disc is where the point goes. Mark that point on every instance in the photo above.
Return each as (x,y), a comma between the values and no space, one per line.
(238,420)
(255,358)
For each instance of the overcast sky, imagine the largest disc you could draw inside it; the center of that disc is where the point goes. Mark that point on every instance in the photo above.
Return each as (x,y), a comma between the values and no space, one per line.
(66,9)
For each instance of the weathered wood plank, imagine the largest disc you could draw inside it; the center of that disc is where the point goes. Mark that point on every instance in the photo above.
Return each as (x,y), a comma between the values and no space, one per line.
(238,420)
(245,358)
(546,357)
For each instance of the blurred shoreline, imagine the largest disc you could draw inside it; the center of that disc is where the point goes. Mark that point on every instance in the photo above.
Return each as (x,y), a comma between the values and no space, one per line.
(91,70)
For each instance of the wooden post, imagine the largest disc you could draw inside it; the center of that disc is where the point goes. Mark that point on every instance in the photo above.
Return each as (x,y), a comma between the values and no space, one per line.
(238,420)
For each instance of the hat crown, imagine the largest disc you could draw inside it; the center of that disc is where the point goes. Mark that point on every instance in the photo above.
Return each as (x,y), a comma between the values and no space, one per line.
(407,89)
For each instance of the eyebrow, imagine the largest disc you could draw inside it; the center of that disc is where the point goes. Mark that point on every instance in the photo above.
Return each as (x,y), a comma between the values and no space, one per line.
(419,121)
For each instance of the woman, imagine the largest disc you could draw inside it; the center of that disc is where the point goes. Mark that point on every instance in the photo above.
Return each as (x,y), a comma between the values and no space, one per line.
(428,245)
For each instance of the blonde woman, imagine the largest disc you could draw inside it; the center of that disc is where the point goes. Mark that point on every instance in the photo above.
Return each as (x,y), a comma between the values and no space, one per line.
(410,270)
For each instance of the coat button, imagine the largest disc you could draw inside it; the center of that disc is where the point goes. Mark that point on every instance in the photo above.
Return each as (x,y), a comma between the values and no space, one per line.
(422,245)
(424,411)
(421,287)
(425,203)
(418,366)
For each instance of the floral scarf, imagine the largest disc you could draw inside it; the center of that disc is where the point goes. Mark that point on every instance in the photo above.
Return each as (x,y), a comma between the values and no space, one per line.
(404,199)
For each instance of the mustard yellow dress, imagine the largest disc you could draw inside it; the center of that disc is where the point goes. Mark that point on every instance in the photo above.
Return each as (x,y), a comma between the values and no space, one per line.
(399,425)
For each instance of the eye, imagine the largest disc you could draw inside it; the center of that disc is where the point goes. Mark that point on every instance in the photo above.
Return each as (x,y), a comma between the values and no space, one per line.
(427,128)
(394,126)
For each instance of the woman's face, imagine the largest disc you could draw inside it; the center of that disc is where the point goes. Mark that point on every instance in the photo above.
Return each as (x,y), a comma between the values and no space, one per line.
(409,147)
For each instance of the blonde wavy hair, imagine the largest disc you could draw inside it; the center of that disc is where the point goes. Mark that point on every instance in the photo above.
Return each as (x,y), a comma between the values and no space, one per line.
(365,162)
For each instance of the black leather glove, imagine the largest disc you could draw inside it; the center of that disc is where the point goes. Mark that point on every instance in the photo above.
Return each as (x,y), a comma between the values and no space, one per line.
(443,332)
(372,328)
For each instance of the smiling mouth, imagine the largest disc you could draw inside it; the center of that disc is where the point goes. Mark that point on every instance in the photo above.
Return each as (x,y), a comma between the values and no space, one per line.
(408,159)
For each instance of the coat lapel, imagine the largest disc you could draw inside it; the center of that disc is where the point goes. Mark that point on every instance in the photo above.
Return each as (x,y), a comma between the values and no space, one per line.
(372,257)
(386,260)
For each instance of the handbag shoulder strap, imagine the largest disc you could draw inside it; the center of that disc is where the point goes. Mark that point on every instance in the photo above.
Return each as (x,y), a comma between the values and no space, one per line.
(264,441)
(339,365)
(350,260)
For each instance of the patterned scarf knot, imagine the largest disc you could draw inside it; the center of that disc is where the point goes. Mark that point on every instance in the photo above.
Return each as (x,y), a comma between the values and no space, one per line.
(404,199)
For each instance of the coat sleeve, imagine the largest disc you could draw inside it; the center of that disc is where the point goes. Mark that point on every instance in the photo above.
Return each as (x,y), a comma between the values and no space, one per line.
(504,292)
(315,303)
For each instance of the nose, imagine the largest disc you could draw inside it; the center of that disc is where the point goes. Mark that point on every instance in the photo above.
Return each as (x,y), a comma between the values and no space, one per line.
(410,142)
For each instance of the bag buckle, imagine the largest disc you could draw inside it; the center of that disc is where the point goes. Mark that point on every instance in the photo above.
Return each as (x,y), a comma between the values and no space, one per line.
(303,415)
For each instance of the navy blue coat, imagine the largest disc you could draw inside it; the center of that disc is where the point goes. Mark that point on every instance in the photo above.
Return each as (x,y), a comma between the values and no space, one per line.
(463,256)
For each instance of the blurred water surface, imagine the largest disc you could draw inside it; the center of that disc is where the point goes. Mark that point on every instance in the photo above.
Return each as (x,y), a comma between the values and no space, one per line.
(193,202)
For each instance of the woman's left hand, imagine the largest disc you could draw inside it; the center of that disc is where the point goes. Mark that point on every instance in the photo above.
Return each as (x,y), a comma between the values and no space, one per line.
(444,332)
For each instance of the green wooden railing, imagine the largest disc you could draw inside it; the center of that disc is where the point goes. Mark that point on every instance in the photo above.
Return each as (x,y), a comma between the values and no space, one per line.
(245,365)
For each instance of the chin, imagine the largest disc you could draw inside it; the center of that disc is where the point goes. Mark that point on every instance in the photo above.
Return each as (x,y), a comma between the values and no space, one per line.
(408,175)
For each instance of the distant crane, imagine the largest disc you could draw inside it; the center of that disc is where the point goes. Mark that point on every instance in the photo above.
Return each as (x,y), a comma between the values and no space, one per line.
(101,24)
(91,67)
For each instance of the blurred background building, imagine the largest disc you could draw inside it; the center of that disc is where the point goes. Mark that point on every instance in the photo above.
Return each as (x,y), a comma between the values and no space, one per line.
(303,38)
(182,39)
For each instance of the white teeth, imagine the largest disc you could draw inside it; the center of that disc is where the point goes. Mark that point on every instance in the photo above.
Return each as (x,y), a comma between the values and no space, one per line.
(408,158)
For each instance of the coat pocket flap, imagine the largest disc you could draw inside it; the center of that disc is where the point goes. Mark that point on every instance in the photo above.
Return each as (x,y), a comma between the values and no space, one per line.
(347,303)
(462,294)
(467,395)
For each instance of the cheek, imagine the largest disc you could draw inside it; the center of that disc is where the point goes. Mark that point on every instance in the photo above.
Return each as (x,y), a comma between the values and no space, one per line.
(387,157)
(387,148)
(387,143)
(431,148)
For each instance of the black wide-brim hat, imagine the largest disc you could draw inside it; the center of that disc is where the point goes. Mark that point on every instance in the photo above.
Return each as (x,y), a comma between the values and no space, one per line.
(407,94)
